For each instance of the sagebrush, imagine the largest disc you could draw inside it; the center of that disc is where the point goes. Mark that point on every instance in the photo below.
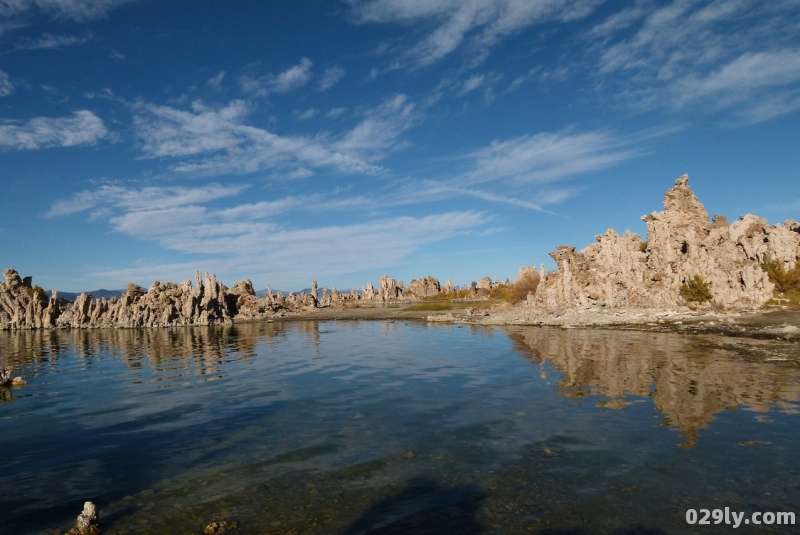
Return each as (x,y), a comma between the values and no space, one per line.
(696,290)
(786,281)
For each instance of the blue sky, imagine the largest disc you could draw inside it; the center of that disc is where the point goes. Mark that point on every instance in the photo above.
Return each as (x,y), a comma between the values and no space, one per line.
(345,139)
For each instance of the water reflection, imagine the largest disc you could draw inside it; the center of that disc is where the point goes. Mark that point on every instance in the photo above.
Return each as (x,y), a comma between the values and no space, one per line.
(390,427)
(179,351)
(690,378)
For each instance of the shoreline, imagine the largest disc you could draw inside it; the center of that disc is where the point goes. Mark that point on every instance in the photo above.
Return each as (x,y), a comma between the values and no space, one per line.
(775,323)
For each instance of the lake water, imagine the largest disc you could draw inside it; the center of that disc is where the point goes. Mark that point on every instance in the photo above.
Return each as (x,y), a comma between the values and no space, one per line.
(395,427)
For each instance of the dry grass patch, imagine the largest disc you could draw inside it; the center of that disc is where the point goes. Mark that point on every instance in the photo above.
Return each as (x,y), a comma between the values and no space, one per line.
(525,285)
(428,307)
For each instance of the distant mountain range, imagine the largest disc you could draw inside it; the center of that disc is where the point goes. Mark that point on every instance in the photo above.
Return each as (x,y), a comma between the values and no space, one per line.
(108,294)
(97,294)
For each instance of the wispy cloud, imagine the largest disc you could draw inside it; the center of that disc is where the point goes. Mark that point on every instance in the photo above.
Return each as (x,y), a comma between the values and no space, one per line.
(737,55)
(769,80)
(167,131)
(547,157)
(330,78)
(335,112)
(216,81)
(6,87)
(307,114)
(379,132)
(139,200)
(288,80)
(471,84)
(476,24)
(83,128)
(79,10)
(248,237)
(222,142)
(525,171)
(49,41)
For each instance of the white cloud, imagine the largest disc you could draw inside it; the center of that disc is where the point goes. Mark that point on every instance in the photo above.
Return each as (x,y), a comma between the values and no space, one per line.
(225,144)
(478,24)
(521,170)
(83,128)
(768,82)
(471,84)
(6,87)
(379,132)
(144,199)
(547,157)
(330,78)
(738,55)
(333,113)
(289,80)
(171,132)
(79,10)
(216,81)
(308,114)
(245,238)
(49,41)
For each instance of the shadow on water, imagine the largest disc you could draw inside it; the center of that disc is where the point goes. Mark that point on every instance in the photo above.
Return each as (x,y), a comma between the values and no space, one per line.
(423,508)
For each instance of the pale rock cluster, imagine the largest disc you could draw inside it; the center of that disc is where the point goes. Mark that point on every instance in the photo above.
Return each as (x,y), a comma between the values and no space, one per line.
(87,521)
(206,302)
(625,272)
(163,304)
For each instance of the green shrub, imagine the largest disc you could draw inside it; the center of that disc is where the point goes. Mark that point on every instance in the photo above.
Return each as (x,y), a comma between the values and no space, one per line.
(37,292)
(696,290)
(785,281)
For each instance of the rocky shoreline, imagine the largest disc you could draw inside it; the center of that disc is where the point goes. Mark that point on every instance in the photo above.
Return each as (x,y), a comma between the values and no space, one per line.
(690,269)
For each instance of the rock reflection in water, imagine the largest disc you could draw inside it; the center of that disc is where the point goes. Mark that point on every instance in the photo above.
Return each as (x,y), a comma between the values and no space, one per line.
(179,351)
(690,378)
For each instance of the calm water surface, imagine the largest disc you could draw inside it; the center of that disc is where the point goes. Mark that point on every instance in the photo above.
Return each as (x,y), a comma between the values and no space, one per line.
(391,427)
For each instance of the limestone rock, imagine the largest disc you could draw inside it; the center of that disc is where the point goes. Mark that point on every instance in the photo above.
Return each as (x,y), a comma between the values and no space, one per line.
(219,527)
(448,287)
(627,272)
(87,521)
(5,376)
(485,283)
(423,288)
(368,292)
(390,289)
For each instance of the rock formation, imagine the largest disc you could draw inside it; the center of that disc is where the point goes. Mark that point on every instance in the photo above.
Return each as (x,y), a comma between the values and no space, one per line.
(207,302)
(390,289)
(87,521)
(423,288)
(625,272)
(163,304)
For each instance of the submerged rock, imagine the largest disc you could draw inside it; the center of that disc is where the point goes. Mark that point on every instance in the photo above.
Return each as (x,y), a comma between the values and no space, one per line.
(87,521)
(220,527)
